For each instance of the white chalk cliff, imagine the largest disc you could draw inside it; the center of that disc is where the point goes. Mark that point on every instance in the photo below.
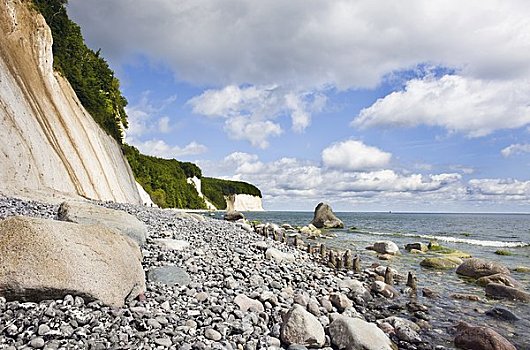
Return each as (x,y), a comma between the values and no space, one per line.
(243,202)
(49,144)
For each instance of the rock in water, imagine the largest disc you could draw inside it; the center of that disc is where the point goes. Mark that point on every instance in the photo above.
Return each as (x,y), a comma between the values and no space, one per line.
(386,247)
(497,290)
(302,328)
(476,268)
(441,263)
(233,215)
(499,278)
(480,338)
(48,259)
(354,333)
(325,218)
(90,214)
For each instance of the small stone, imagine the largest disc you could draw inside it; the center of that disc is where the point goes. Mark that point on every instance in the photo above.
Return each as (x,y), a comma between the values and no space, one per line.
(212,334)
(202,296)
(43,329)
(37,343)
(165,342)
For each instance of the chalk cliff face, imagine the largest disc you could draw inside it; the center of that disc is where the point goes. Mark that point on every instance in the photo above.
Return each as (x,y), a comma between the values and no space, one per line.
(243,202)
(48,142)
(195,181)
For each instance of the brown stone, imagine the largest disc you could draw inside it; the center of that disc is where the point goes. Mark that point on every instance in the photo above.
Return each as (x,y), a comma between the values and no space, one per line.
(480,338)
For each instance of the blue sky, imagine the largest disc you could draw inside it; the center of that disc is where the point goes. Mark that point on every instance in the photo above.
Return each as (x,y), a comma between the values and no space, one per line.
(369,105)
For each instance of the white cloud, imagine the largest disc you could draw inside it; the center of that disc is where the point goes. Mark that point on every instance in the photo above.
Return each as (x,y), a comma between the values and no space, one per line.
(144,117)
(459,104)
(354,155)
(163,125)
(311,43)
(518,148)
(160,148)
(249,112)
(506,188)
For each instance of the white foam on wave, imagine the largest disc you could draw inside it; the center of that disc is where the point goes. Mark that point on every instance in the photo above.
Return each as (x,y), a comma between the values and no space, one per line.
(499,244)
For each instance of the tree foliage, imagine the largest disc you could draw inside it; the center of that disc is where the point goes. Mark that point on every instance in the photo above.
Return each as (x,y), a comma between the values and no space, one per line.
(216,189)
(165,179)
(89,74)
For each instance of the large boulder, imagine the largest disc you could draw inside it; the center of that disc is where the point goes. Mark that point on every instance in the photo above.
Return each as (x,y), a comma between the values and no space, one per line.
(48,259)
(302,328)
(353,333)
(90,214)
(386,247)
(480,338)
(325,218)
(501,291)
(476,268)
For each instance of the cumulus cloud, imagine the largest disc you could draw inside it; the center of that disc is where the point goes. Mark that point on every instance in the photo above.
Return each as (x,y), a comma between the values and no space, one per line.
(145,117)
(503,188)
(354,155)
(311,43)
(474,107)
(518,148)
(249,111)
(160,148)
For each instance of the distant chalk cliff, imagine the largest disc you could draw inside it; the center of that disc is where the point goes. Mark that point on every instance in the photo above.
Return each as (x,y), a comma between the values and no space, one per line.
(48,142)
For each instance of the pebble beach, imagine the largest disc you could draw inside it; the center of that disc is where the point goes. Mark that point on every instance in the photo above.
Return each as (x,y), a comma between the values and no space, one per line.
(223,286)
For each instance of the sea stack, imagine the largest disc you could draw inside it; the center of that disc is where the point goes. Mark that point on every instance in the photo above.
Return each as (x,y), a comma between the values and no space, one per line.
(325,218)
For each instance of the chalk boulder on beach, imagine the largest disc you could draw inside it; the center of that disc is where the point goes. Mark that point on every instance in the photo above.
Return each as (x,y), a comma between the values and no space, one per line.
(91,214)
(325,218)
(476,268)
(302,328)
(354,333)
(48,259)
(278,255)
(484,338)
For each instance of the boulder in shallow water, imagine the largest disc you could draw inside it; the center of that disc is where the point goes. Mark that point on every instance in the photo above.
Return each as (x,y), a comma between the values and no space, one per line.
(302,328)
(417,246)
(233,215)
(499,278)
(497,290)
(354,333)
(441,263)
(476,268)
(91,214)
(480,338)
(325,218)
(386,247)
(49,259)
(502,313)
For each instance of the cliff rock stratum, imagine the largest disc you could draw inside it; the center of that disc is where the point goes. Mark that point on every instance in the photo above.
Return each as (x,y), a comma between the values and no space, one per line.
(49,144)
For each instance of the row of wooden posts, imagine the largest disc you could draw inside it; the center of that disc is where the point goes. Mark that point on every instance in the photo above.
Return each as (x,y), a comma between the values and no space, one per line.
(333,258)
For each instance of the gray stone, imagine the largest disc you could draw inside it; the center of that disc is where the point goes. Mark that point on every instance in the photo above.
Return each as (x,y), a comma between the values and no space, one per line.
(169,275)
(476,268)
(172,244)
(502,313)
(353,333)
(325,218)
(90,214)
(416,246)
(340,301)
(49,259)
(302,328)
(386,247)
(499,278)
(165,342)
(212,334)
(233,215)
(279,256)
(245,303)
(43,329)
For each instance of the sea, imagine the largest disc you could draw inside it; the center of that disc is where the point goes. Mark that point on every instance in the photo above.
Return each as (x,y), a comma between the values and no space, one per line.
(480,235)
